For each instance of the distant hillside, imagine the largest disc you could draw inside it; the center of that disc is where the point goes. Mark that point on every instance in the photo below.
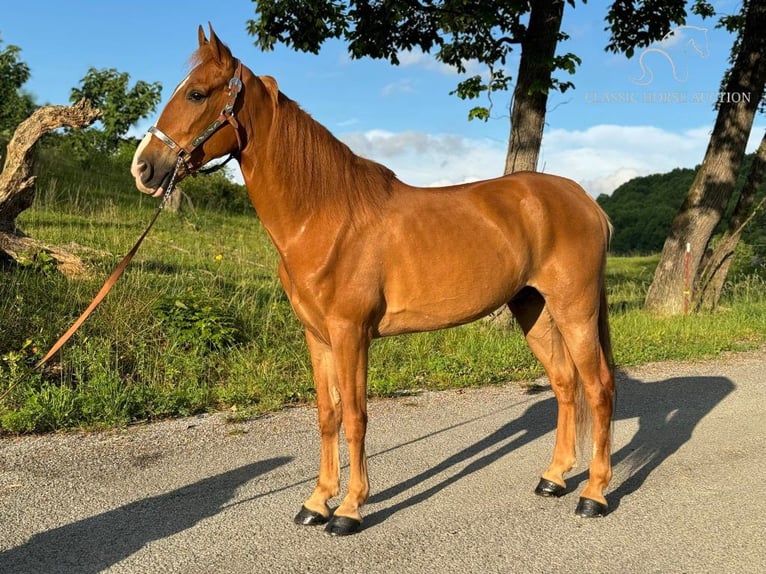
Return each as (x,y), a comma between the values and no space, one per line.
(643,208)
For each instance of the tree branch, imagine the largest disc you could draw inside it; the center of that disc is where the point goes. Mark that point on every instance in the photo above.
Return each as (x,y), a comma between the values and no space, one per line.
(16,180)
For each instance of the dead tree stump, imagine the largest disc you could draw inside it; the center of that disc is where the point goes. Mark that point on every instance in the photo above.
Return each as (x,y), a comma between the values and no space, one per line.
(17,184)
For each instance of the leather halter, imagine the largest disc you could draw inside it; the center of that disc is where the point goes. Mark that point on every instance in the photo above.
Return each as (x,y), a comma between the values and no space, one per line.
(225,117)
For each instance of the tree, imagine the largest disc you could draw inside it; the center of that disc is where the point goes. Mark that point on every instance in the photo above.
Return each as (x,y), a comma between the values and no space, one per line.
(716,265)
(15,105)
(457,31)
(535,79)
(709,195)
(108,89)
(121,107)
(17,182)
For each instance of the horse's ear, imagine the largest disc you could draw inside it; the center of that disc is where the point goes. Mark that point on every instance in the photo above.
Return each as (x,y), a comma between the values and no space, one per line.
(221,53)
(201,36)
(271,87)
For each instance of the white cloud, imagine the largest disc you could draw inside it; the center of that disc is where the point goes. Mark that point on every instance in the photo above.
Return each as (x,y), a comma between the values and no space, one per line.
(347,123)
(425,61)
(600,158)
(403,86)
(430,159)
(603,157)
(419,59)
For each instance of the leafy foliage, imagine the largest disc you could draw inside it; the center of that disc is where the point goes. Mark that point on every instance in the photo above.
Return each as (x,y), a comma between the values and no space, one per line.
(196,321)
(457,31)
(108,89)
(643,208)
(217,192)
(637,23)
(15,105)
(121,105)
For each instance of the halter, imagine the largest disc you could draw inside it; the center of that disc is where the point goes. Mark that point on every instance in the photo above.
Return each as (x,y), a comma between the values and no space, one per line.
(225,117)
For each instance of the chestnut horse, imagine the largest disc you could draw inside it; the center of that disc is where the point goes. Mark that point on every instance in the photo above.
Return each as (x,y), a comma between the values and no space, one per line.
(363,255)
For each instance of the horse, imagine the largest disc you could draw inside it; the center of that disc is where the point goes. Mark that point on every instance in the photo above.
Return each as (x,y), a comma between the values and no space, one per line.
(363,255)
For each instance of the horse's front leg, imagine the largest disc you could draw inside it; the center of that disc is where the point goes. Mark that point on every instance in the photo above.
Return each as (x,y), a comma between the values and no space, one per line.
(315,509)
(350,348)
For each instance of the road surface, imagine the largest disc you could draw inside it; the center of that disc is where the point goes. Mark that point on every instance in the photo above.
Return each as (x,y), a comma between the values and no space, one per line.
(452,476)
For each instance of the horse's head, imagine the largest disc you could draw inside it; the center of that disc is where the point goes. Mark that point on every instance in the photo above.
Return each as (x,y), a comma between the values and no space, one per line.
(198,123)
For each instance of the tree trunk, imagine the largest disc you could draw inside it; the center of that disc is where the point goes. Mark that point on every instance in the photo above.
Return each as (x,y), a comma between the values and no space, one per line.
(712,187)
(17,184)
(716,267)
(529,98)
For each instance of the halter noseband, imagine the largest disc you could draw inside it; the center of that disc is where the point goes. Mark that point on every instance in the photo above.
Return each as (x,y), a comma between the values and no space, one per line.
(225,117)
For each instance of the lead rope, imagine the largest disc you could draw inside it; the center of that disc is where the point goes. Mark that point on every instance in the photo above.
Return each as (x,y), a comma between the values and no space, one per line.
(107,286)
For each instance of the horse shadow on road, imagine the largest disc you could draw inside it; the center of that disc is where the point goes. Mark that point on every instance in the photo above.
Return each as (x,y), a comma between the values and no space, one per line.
(94,544)
(667,411)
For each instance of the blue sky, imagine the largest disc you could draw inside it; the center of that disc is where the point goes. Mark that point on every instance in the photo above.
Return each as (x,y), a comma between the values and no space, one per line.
(622,120)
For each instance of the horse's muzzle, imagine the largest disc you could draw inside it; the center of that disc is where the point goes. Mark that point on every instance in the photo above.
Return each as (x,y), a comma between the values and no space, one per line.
(152,171)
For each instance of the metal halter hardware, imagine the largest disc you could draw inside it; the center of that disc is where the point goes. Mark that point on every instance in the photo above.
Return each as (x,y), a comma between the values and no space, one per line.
(225,117)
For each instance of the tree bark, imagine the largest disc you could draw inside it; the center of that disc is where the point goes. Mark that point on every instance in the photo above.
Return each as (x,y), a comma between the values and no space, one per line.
(712,187)
(17,184)
(25,250)
(530,97)
(716,267)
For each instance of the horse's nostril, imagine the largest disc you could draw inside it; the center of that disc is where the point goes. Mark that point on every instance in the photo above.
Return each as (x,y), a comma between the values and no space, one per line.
(144,170)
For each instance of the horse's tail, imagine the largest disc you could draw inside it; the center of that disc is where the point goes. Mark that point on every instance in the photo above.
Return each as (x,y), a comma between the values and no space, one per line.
(583,417)
(604,333)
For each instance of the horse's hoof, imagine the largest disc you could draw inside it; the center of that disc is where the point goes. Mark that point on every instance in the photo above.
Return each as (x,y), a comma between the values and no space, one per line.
(548,488)
(308,517)
(589,508)
(343,526)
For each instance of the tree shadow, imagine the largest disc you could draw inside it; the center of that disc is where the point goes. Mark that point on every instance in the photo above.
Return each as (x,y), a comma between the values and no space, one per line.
(668,412)
(93,544)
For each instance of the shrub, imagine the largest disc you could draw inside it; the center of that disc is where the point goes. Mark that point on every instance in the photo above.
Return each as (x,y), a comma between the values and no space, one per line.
(197,321)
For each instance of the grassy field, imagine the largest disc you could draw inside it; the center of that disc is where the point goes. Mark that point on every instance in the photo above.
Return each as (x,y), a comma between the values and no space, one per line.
(199,322)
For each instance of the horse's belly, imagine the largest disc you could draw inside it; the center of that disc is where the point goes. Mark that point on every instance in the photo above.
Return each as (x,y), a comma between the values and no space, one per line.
(438,297)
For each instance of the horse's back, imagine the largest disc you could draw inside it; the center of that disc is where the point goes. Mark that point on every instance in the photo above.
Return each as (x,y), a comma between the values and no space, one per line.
(532,210)
(562,206)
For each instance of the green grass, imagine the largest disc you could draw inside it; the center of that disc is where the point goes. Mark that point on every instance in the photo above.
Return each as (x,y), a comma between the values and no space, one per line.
(199,322)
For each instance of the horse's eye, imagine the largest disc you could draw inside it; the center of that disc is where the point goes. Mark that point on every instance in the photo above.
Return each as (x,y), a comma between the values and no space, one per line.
(195,96)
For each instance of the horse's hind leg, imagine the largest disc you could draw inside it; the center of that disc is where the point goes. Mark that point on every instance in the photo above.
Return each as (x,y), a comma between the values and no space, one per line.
(546,343)
(578,322)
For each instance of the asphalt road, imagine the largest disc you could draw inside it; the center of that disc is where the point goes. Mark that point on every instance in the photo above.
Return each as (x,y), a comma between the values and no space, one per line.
(452,476)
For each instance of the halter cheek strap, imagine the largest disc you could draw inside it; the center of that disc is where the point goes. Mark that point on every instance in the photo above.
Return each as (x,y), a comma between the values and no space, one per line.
(225,117)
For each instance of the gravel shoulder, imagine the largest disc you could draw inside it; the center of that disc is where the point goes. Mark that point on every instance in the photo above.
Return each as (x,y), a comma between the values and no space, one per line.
(452,476)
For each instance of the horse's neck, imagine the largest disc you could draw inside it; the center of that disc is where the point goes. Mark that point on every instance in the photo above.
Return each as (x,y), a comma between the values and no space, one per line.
(290,226)
(278,192)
